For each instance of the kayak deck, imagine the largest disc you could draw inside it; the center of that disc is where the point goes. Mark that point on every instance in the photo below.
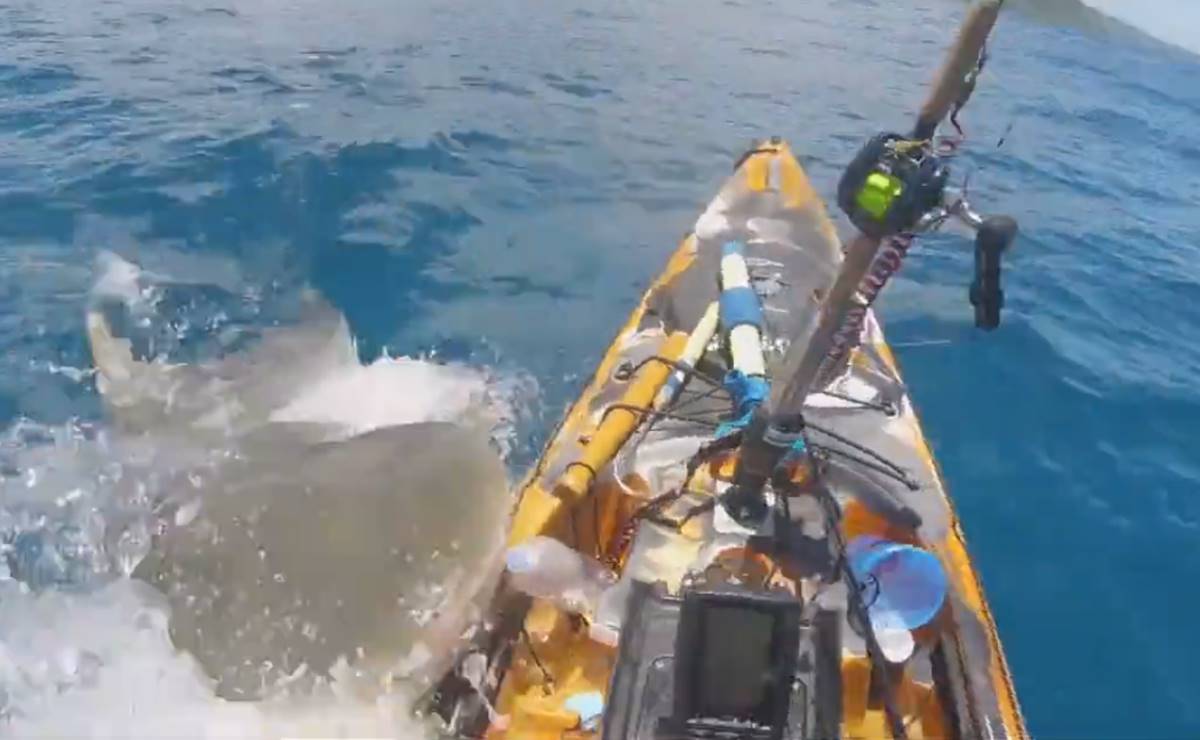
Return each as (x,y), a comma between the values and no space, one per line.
(615,450)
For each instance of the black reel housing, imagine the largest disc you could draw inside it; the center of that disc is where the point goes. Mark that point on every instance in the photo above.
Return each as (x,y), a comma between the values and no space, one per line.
(921,173)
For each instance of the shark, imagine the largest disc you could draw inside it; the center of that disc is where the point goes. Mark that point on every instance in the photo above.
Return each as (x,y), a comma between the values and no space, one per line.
(299,535)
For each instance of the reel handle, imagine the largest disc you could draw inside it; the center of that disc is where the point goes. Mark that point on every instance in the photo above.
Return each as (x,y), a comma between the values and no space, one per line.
(994,236)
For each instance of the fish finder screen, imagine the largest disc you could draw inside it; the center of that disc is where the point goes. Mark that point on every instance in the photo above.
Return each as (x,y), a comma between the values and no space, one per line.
(735,663)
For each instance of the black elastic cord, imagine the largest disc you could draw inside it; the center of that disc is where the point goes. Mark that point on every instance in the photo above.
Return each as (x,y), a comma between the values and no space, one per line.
(861,448)
(706,452)
(547,679)
(885,408)
(597,549)
(695,511)
(909,483)
(581,464)
(750,153)
(645,411)
(696,397)
(687,370)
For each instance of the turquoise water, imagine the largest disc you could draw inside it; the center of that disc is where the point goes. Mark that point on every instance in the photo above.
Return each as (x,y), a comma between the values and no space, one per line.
(498,183)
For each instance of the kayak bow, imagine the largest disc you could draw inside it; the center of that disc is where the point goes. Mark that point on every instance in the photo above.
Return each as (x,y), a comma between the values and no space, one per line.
(739,530)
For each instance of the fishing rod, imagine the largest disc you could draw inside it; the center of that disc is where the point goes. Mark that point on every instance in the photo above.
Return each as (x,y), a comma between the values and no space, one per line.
(894,189)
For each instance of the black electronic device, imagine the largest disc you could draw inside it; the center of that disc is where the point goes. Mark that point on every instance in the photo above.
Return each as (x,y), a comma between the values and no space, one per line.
(720,664)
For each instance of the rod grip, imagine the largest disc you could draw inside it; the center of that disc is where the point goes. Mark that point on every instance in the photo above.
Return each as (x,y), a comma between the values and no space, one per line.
(992,240)
(960,60)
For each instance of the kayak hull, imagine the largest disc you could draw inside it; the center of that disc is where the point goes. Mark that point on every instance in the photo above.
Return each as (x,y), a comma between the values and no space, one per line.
(578,491)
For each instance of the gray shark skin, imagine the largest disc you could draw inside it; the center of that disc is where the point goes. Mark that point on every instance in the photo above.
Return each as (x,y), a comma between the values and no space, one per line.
(295,549)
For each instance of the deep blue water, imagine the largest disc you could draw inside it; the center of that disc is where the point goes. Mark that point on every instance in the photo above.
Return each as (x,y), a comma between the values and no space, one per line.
(500,181)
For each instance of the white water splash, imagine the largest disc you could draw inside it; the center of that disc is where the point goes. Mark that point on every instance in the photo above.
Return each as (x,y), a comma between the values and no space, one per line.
(85,651)
(101,665)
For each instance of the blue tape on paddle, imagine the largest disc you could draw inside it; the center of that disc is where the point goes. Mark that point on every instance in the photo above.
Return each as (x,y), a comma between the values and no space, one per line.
(739,307)
(731,248)
(747,393)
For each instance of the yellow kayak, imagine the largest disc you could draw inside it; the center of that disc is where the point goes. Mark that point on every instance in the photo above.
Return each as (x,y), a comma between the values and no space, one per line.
(682,622)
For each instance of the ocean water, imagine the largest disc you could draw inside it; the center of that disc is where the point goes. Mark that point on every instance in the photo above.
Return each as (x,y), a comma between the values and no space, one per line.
(494,185)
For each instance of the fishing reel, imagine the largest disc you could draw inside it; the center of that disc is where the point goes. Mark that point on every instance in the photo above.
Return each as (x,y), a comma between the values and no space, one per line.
(896,187)
(891,184)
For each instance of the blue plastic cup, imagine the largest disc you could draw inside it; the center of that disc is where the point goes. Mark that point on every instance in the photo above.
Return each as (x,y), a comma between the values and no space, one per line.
(905,583)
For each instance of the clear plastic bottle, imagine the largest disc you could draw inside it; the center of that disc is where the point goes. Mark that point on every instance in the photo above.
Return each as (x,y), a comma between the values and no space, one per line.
(610,612)
(547,569)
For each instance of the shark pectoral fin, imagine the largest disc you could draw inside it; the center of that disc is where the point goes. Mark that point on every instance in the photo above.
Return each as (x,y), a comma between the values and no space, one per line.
(112,355)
